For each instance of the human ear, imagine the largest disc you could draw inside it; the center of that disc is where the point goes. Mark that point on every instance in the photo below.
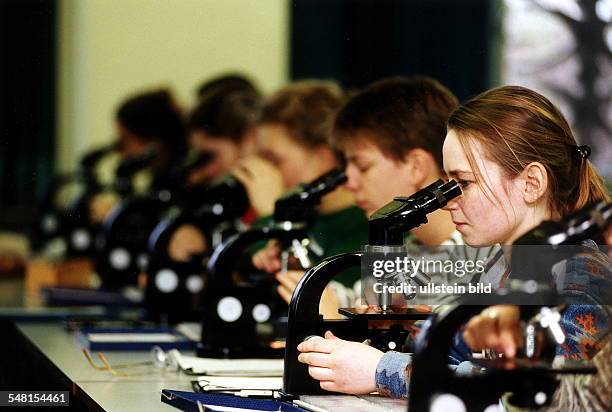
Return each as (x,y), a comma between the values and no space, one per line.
(420,164)
(248,142)
(534,182)
(325,157)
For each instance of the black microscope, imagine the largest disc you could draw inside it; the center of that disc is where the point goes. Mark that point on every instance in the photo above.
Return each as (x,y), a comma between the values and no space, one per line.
(556,241)
(121,244)
(243,314)
(85,238)
(387,229)
(64,218)
(531,379)
(173,288)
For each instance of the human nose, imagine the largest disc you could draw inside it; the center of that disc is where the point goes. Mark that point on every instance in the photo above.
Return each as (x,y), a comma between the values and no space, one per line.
(452,204)
(352,180)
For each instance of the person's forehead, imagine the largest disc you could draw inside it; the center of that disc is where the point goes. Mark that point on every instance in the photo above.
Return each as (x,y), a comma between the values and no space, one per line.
(453,154)
(272,135)
(456,163)
(205,139)
(361,144)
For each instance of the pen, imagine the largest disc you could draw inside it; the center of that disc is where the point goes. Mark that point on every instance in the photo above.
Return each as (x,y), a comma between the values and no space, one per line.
(308,406)
(243,393)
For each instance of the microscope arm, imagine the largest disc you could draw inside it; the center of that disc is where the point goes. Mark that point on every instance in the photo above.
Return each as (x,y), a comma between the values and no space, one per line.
(433,346)
(304,320)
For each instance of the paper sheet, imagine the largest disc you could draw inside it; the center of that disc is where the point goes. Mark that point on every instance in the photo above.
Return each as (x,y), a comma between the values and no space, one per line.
(227,409)
(131,337)
(231,367)
(267,383)
(350,403)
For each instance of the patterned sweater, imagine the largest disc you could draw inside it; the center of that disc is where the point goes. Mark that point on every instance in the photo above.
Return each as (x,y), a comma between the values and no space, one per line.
(585,278)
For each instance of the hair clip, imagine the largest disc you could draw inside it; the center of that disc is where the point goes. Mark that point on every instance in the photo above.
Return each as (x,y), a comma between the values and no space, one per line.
(583,151)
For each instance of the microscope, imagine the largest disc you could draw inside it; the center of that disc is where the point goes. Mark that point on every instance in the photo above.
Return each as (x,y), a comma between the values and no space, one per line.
(85,238)
(173,289)
(243,314)
(531,378)
(556,241)
(64,226)
(121,244)
(387,228)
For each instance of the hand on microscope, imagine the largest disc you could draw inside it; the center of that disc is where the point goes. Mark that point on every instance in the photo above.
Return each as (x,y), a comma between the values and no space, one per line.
(329,304)
(268,258)
(496,327)
(263,182)
(101,205)
(332,361)
(186,241)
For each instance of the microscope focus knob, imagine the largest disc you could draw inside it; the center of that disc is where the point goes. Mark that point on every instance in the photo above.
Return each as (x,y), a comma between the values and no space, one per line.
(119,258)
(49,223)
(194,283)
(229,309)
(261,313)
(447,402)
(540,329)
(80,238)
(142,261)
(166,280)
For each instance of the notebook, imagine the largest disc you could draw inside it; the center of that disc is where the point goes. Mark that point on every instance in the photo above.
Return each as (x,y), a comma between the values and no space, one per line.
(132,339)
(199,402)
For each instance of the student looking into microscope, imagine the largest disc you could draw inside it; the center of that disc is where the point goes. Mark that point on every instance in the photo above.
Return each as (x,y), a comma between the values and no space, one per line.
(293,136)
(391,135)
(518,163)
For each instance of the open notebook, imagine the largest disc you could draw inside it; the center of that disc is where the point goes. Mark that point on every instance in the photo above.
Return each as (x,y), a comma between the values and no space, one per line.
(248,383)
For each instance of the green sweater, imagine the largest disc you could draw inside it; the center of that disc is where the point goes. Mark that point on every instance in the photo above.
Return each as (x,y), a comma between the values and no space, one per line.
(339,232)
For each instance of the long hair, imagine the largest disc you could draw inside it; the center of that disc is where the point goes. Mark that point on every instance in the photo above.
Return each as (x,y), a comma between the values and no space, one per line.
(516,126)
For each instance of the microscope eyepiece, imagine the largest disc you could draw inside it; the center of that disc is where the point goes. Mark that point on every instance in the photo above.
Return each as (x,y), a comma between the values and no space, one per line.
(297,205)
(389,223)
